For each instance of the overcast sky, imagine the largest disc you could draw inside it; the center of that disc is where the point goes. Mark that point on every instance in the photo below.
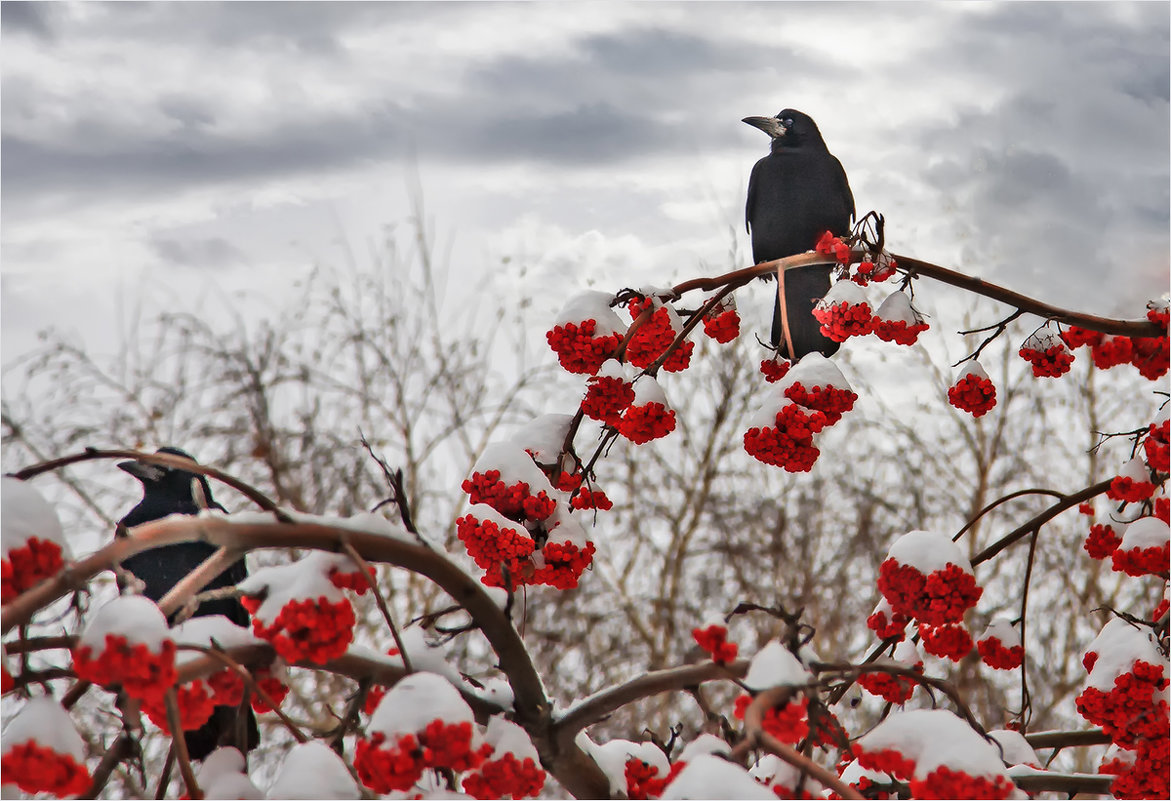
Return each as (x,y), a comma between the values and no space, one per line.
(200,148)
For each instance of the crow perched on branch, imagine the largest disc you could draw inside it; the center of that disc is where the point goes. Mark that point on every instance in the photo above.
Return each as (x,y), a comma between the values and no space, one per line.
(168,491)
(795,194)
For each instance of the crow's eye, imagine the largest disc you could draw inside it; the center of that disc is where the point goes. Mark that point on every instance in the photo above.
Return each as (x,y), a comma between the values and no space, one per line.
(787,122)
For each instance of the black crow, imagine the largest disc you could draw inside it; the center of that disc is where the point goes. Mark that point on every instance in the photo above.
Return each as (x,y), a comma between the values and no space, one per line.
(169,491)
(795,194)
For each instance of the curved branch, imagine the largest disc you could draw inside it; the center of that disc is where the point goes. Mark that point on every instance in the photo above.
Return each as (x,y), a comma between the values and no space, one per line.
(164,459)
(1022,531)
(803,763)
(998,502)
(601,704)
(1067,739)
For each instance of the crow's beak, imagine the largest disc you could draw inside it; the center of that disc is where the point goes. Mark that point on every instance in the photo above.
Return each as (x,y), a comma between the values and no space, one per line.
(143,471)
(770,125)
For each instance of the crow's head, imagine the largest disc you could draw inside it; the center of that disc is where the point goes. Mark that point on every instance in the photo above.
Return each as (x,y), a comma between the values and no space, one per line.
(789,128)
(173,482)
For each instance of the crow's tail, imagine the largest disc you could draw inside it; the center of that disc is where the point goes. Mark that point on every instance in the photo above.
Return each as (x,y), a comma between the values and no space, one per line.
(795,330)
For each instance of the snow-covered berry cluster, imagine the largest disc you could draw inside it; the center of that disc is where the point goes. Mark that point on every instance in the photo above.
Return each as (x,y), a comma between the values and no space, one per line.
(586,333)
(654,336)
(1133,484)
(127,644)
(937,753)
(608,393)
(1144,548)
(844,312)
(1149,355)
(893,688)
(927,577)
(648,417)
(774,369)
(972,391)
(1000,646)
(897,321)
(887,623)
(812,395)
(299,609)
(875,271)
(832,245)
(33,544)
(722,323)
(42,751)
(1047,354)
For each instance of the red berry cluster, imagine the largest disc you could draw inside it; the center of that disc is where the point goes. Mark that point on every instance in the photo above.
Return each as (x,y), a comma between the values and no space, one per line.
(1147,776)
(1158,312)
(590,499)
(788,723)
(943,782)
(349,581)
(938,598)
(723,327)
(311,629)
(831,245)
(774,369)
(1156,447)
(886,760)
(606,398)
(1102,540)
(641,424)
(1130,489)
(840,321)
(899,331)
(227,688)
(974,394)
(895,689)
(653,337)
(27,565)
(888,625)
(578,350)
(947,640)
(385,767)
(564,564)
(274,687)
(35,768)
(714,640)
(506,777)
(1049,360)
(788,444)
(643,780)
(867,271)
(829,400)
(503,553)
(514,502)
(996,655)
(142,673)
(195,707)
(1150,355)
(1131,711)
(1140,561)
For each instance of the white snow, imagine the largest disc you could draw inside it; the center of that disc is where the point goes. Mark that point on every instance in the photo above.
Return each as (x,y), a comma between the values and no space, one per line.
(514,465)
(1118,646)
(934,737)
(363,522)
(612,368)
(775,666)
(613,756)
(1002,629)
(544,435)
(928,551)
(907,653)
(843,292)
(765,415)
(703,744)
(1043,340)
(853,773)
(566,525)
(202,630)
(1136,470)
(648,390)
(591,305)
(1017,750)
(710,776)
(971,367)
(313,770)
(771,769)
(506,737)
(44,720)
(417,700)
(305,579)
(135,617)
(24,514)
(814,370)
(221,775)
(1146,532)
(897,308)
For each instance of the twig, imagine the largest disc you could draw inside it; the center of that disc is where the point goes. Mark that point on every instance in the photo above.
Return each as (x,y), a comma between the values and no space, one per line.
(394,480)
(179,743)
(803,763)
(998,502)
(1026,702)
(1034,523)
(1000,328)
(165,773)
(29,644)
(368,575)
(351,717)
(110,760)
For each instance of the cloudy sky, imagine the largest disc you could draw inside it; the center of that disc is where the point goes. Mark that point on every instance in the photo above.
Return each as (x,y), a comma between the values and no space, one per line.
(199,150)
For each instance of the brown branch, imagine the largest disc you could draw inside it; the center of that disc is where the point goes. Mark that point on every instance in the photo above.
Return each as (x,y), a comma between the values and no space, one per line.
(186,587)
(110,760)
(601,704)
(806,765)
(1034,523)
(164,459)
(175,724)
(998,502)
(31,644)
(368,575)
(1067,739)
(1073,784)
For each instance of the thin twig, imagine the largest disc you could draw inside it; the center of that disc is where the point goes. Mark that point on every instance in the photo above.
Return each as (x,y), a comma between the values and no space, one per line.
(175,724)
(368,575)
(110,760)
(1026,702)
(998,502)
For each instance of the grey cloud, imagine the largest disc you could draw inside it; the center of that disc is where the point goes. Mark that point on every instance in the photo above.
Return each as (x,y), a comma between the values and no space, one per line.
(33,18)
(209,252)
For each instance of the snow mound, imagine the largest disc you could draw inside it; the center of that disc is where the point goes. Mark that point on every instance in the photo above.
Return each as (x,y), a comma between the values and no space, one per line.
(312,770)
(134,617)
(710,776)
(24,514)
(775,666)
